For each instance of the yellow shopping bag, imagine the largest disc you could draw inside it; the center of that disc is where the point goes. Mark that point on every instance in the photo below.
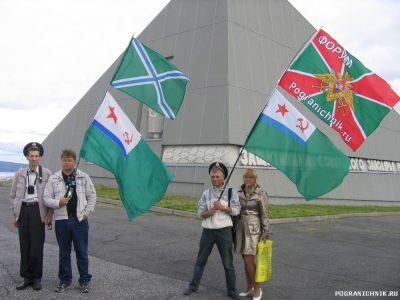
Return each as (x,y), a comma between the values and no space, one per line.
(264,261)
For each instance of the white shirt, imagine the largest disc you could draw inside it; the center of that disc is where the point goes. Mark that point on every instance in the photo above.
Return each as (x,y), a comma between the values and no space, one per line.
(31,180)
(221,219)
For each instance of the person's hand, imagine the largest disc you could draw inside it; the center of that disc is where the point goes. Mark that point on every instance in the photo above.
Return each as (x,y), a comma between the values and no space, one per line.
(212,211)
(218,205)
(15,222)
(63,201)
(47,219)
(84,217)
(263,238)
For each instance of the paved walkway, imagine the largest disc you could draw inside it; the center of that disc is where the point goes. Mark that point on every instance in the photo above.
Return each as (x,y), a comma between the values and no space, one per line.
(152,257)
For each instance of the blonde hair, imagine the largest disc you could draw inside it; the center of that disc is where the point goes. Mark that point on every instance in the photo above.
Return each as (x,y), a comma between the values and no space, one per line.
(252,173)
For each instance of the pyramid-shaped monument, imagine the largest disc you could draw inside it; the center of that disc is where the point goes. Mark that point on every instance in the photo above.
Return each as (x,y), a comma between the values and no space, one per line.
(233,52)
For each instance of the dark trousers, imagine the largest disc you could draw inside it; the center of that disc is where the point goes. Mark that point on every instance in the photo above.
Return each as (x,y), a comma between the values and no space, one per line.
(31,231)
(223,239)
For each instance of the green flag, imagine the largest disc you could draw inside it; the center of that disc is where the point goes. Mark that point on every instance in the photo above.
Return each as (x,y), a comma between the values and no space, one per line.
(151,79)
(112,142)
(283,137)
(339,89)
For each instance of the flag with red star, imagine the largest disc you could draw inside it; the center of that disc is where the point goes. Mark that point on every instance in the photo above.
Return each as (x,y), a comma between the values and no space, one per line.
(338,89)
(283,137)
(112,142)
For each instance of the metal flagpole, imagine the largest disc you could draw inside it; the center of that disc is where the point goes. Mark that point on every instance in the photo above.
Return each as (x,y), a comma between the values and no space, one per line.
(116,70)
(241,151)
(122,58)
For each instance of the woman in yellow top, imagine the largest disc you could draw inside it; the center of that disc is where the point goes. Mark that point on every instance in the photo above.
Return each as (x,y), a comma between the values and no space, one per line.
(252,226)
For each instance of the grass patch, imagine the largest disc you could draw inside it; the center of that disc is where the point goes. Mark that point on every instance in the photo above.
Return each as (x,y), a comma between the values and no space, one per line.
(4,183)
(107,192)
(275,211)
(179,203)
(311,210)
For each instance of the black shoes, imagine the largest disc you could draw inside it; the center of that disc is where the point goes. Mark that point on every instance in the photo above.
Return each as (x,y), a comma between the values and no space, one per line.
(24,285)
(37,286)
(234,296)
(189,290)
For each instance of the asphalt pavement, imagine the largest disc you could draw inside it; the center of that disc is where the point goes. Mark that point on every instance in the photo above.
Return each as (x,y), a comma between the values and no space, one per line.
(153,257)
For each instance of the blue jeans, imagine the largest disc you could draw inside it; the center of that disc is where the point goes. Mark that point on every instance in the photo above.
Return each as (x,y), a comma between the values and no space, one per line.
(68,232)
(223,238)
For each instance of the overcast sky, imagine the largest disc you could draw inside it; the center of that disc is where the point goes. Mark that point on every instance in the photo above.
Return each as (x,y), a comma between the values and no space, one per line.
(53,51)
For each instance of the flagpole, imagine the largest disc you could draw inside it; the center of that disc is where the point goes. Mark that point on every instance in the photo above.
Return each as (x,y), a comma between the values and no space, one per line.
(241,151)
(108,87)
(300,51)
(119,65)
(227,180)
(115,72)
(117,68)
(122,58)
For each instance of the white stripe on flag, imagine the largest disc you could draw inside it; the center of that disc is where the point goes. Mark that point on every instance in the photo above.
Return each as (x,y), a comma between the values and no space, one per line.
(292,119)
(112,120)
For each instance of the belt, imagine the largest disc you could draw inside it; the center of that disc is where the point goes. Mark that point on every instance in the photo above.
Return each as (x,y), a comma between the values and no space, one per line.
(71,214)
(30,203)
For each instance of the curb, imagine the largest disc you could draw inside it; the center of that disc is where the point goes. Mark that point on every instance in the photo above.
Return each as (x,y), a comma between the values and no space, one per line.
(272,221)
(154,209)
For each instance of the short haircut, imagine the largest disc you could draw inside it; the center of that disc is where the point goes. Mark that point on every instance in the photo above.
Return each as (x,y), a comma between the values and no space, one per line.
(215,169)
(33,149)
(68,153)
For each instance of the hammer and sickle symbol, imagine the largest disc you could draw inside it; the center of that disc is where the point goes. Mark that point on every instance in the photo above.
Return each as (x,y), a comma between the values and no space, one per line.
(302,128)
(127,140)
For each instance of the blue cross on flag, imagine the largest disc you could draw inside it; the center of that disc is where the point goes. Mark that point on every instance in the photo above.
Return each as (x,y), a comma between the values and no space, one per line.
(151,79)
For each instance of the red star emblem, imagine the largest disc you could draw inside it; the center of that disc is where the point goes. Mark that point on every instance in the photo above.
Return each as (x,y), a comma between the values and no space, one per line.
(112,114)
(282,109)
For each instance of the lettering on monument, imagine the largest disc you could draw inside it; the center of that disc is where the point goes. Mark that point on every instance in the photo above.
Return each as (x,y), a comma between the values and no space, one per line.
(356,164)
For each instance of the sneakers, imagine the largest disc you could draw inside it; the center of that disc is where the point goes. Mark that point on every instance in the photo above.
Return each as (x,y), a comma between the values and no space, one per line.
(62,287)
(84,288)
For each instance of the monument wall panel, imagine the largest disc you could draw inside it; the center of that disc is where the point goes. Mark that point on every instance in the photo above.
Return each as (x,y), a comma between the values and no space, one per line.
(188,15)
(171,19)
(217,62)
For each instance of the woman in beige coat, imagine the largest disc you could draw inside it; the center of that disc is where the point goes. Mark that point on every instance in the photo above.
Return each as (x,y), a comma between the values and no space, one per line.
(252,226)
